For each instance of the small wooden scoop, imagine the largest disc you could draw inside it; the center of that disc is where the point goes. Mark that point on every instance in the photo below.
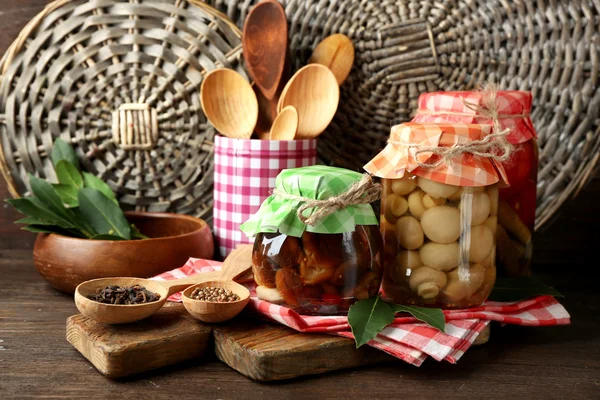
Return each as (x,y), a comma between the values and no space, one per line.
(237,263)
(336,52)
(124,313)
(285,125)
(229,103)
(315,94)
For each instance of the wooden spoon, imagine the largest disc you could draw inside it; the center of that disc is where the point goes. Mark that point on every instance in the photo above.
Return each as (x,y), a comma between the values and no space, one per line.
(315,93)
(229,103)
(237,262)
(336,52)
(122,313)
(265,46)
(285,125)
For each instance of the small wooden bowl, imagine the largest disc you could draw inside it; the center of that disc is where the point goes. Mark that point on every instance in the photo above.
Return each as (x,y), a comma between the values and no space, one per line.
(211,311)
(66,262)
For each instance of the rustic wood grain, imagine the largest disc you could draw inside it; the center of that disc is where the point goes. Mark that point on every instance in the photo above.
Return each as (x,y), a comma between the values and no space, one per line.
(266,352)
(168,337)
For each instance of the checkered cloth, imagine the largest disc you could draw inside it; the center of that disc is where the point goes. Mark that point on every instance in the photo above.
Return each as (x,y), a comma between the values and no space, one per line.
(317,182)
(400,155)
(245,172)
(440,107)
(406,338)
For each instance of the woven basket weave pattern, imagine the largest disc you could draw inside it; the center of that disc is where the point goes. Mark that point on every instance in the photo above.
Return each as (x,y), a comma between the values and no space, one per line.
(407,47)
(120,81)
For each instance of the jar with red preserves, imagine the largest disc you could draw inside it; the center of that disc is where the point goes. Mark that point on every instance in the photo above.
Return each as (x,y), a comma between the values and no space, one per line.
(438,215)
(516,211)
(317,265)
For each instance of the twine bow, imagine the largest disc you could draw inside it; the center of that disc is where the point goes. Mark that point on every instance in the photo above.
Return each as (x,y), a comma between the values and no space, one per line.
(494,146)
(364,191)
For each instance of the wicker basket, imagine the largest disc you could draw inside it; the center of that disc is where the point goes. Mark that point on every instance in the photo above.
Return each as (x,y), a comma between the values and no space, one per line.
(407,47)
(120,81)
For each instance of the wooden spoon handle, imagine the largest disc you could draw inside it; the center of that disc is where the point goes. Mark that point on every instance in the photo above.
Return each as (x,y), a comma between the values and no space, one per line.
(237,264)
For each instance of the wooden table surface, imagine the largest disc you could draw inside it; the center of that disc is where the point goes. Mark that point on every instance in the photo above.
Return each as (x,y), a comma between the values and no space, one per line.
(518,362)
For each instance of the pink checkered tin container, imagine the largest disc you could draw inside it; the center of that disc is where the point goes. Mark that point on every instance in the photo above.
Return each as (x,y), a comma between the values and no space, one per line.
(245,172)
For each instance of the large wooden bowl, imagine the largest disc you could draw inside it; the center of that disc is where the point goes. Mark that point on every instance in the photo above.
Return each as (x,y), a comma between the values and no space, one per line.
(66,262)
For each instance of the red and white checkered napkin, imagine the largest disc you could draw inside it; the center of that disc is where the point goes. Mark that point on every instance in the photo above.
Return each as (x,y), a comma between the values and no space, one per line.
(406,338)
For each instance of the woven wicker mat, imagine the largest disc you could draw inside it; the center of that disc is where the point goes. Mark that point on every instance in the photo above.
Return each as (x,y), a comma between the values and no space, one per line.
(120,81)
(407,47)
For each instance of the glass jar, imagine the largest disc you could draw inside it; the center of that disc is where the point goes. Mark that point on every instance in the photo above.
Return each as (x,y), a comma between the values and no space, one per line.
(516,214)
(439,242)
(320,274)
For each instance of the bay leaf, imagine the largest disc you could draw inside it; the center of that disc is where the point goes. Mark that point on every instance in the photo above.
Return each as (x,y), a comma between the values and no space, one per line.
(105,216)
(48,197)
(68,174)
(431,316)
(368,317)
(520,288)
(53,229)
(33,208)
(67,193)
(33,221)
(108,237)
(136,234)
(61,150)
(92,181)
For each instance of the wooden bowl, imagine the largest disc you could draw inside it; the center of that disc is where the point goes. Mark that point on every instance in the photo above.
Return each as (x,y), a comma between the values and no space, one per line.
(66,262)
(212,311)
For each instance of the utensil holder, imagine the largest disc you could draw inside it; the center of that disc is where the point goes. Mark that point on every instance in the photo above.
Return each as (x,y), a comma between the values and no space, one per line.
(245,172)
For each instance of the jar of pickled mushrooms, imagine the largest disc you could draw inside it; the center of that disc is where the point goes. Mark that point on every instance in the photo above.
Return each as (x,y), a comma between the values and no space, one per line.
(439,210)
(317,247)
(503,109)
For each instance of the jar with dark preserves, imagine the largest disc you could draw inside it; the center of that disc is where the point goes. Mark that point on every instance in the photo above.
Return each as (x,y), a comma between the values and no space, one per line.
(316,266)
(438,220)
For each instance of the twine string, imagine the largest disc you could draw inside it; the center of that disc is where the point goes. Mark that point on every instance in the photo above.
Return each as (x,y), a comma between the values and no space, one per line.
(494,146)
(364,191)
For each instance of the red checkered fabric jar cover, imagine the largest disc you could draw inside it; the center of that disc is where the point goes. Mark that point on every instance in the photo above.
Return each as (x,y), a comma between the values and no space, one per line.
(513,108)
(245,172)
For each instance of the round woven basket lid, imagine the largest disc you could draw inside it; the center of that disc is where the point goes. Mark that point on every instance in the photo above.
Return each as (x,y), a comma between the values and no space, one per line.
(120,81)
(408,47)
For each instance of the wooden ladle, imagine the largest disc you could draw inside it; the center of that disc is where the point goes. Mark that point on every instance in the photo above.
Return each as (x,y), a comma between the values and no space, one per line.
(121,313)
(285,125)
(315,94)
(229,103)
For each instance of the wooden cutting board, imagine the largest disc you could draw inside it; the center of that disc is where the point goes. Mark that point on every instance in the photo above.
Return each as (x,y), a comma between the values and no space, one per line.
(259,350)
(168,337)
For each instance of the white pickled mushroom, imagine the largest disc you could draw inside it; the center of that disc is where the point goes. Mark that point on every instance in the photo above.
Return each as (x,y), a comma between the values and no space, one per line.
(404,185)
(430,202)
(440,256)
(395,206)
(409,233)
(480,208)
(482,243)
(441,224)
(406,262)
(415,203)
(427,282)
(436,189)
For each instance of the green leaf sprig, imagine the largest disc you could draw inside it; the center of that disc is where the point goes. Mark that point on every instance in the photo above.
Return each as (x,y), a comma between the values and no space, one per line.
(80,205)
(367,318)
